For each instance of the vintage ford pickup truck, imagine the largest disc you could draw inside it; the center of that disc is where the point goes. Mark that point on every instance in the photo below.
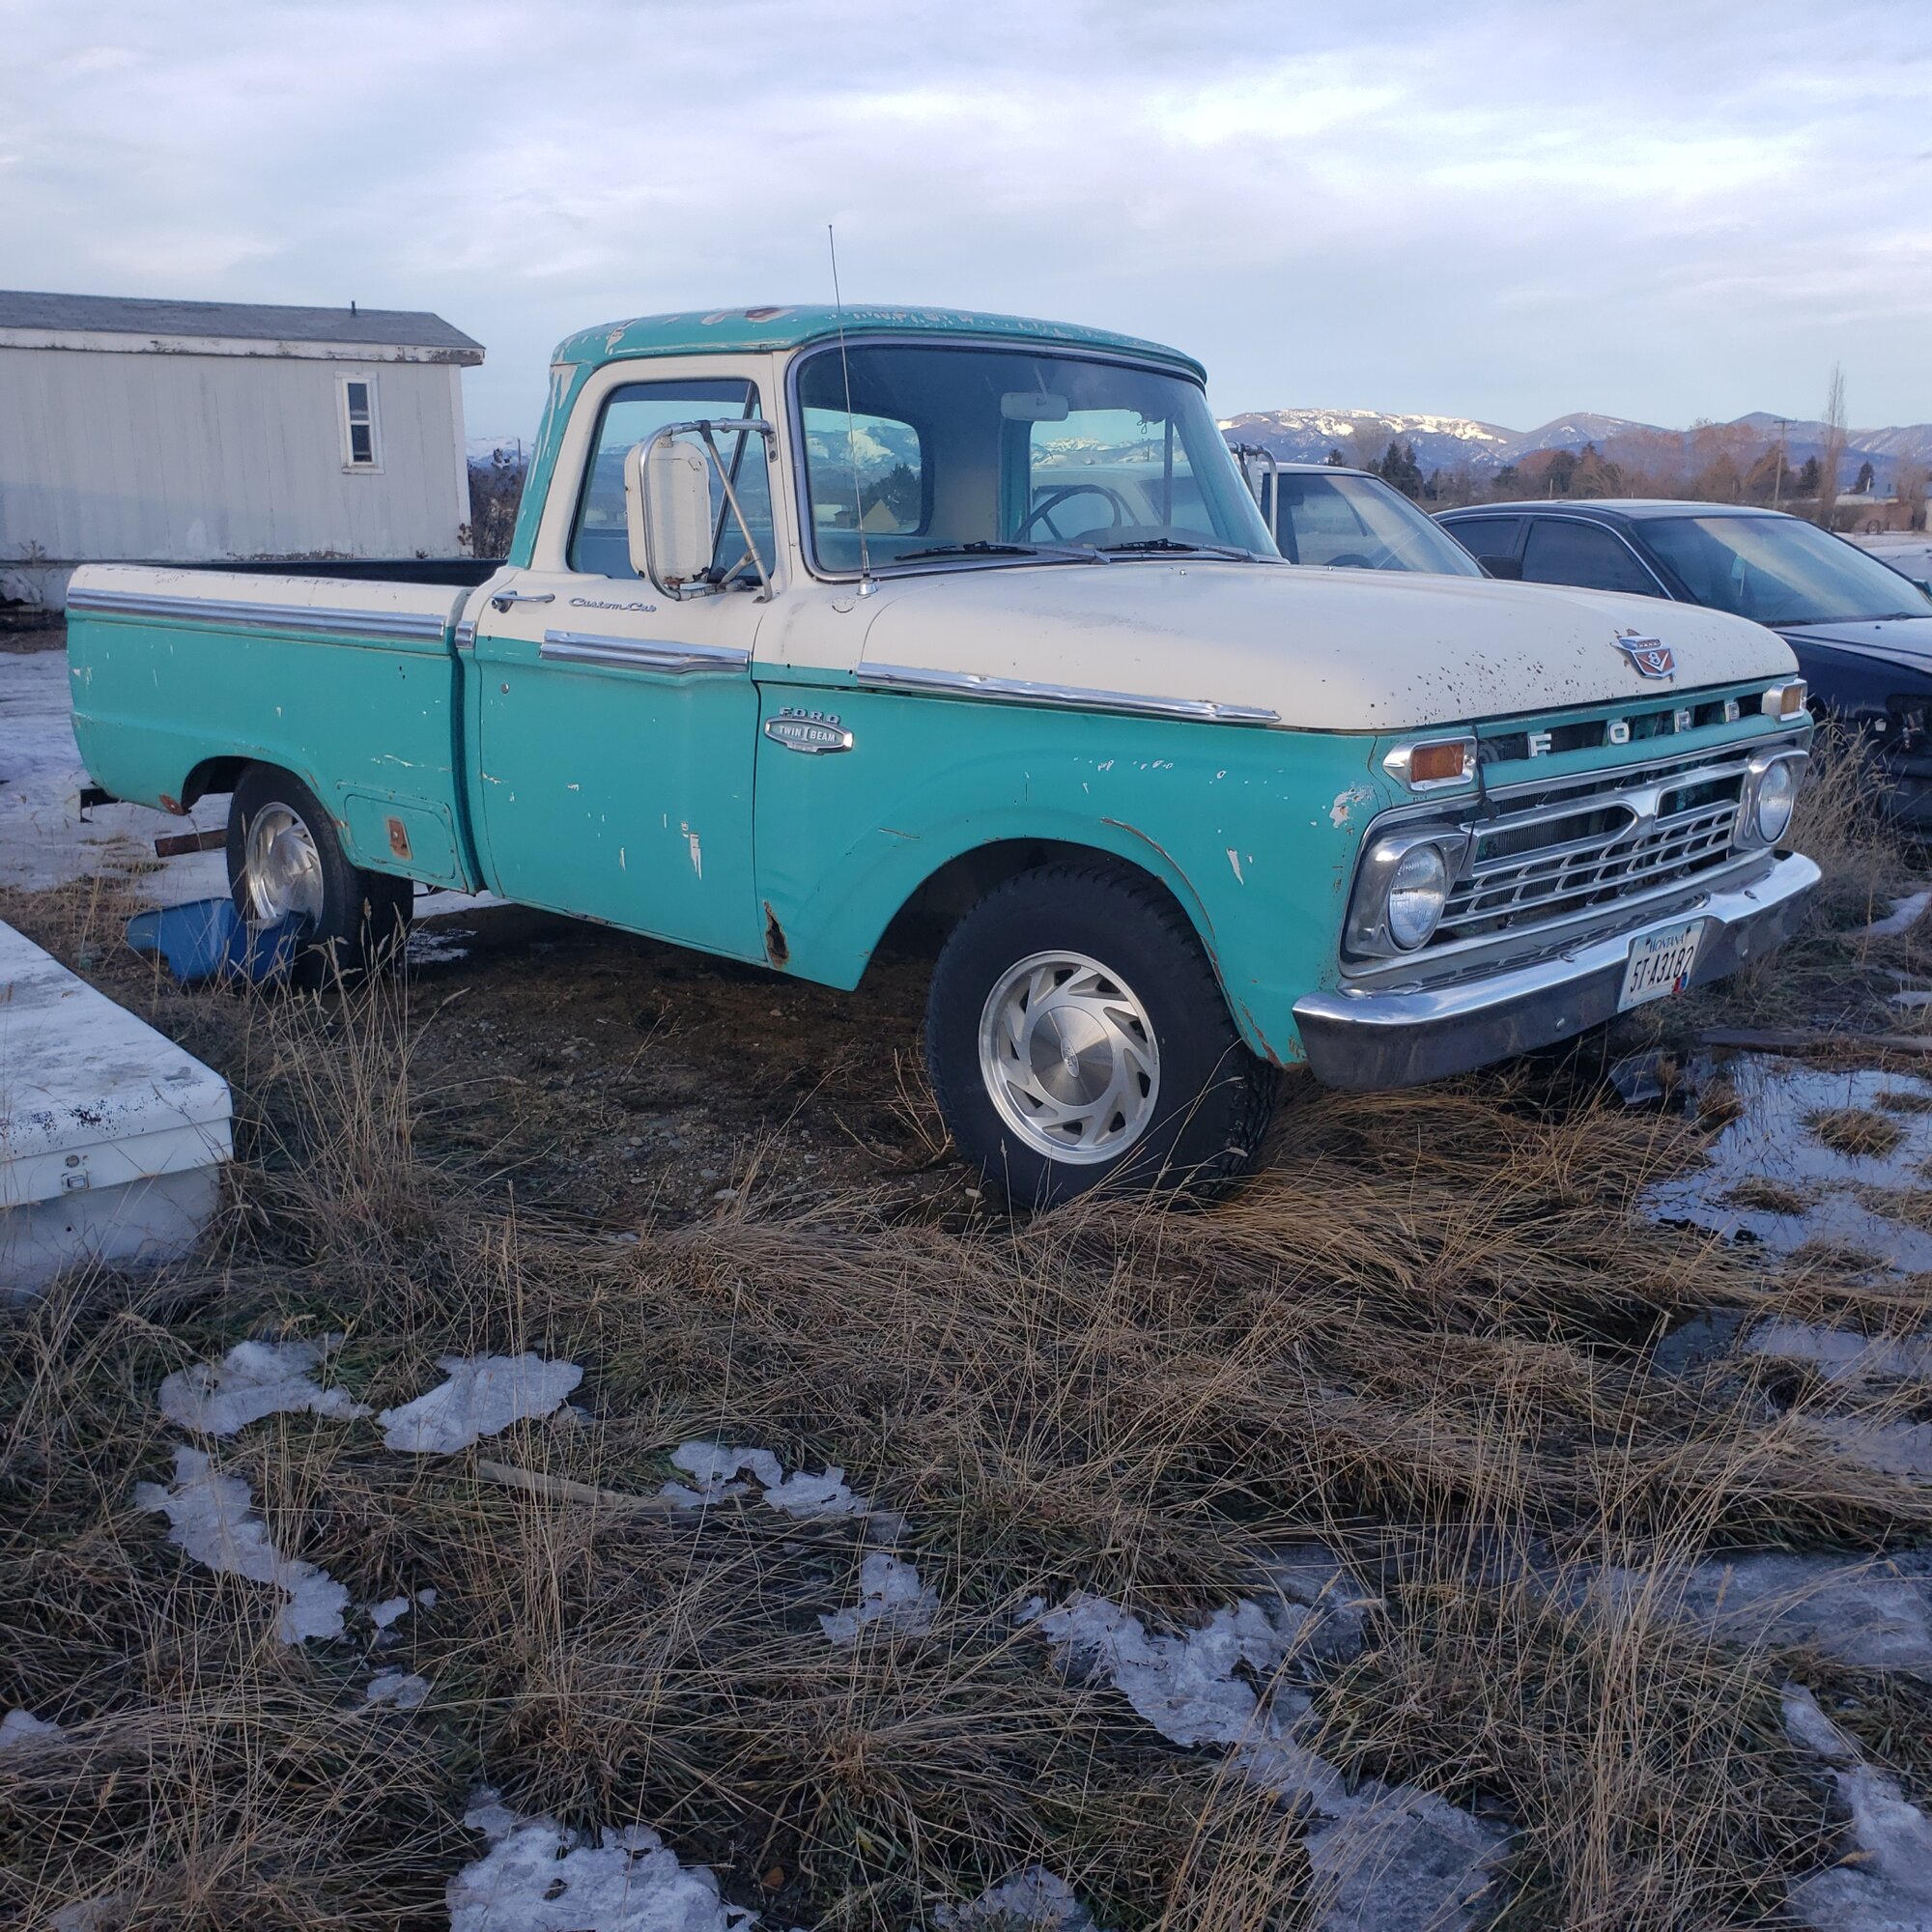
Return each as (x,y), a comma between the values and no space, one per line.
(815,618)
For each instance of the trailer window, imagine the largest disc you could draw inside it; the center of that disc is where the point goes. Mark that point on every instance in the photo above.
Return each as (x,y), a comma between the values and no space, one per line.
(357,396)
(600,541)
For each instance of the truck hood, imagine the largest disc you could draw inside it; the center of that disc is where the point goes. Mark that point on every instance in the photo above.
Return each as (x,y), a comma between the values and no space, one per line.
(1328,650)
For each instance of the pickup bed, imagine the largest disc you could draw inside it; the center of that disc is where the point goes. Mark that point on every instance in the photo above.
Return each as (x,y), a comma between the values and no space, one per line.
(812,617)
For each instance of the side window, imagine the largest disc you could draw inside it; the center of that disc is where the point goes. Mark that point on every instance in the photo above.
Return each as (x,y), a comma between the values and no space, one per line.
(1593,558)
(600,540)
(355,398)
(885,461)
(1318,525)
(1096,473)
(1485,536)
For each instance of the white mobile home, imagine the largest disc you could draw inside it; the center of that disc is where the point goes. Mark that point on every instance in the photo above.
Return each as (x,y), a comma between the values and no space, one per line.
(181,432)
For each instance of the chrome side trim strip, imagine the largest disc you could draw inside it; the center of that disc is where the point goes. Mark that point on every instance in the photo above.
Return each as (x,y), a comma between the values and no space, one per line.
(586,648)
(411,625)
(1066,697)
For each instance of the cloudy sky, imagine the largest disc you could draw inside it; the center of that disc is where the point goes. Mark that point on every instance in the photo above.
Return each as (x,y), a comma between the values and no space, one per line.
(1502,208)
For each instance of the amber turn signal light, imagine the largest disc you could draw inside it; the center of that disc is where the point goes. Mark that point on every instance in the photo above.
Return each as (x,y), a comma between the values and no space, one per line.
(1785,701)
(1439,763)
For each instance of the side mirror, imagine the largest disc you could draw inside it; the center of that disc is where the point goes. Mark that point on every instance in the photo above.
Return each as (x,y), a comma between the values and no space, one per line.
(667,506)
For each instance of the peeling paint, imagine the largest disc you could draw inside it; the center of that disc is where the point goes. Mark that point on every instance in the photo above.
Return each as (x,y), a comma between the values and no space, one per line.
(1235,860)
(696,850)
(1345,802)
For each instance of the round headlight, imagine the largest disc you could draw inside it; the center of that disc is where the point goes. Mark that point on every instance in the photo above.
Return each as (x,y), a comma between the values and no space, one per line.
(1777,795)
(1418,889)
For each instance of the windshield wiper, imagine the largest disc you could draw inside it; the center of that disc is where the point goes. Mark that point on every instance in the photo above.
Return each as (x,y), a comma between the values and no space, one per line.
(1144,544)
(983,547)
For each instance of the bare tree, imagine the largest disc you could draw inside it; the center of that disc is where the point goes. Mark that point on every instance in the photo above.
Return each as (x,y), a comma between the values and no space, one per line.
(1832,453)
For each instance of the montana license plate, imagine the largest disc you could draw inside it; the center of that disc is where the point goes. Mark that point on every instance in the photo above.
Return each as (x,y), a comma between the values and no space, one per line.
(1661,963)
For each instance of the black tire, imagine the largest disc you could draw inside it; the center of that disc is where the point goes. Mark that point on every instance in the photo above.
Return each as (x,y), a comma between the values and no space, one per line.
(1210,1098)
(363,918)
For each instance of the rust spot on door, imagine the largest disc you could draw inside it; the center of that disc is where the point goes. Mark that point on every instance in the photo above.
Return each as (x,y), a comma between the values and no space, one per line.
(399,838)
(777,951)
(173,805)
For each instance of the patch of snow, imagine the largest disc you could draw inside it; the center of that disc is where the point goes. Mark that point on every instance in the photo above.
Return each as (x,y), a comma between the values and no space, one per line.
(1032,1900)
(540,1876)
(254,1380)
(1874,1615)
(210,1516)
(1770,1143)
(21,1730)
(1902,1449)
(435,945)
(715,1471)
(1385,1855)
(1904,914)
(88,1915)
(386,1612)
(1840,1355)
(482,1396)
(400,1687)
(43,839)
(1885,1884)
(890,1593)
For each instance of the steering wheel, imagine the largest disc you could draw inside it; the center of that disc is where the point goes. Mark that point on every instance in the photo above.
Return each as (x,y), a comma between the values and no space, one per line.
(1123,510)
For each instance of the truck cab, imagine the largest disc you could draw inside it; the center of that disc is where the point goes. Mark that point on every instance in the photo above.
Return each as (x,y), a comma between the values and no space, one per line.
(814,617)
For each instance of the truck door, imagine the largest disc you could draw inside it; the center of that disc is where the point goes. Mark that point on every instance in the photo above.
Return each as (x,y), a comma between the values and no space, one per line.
(616,728)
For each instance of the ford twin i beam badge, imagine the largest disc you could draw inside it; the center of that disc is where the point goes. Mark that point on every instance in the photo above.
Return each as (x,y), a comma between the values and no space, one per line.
(809,731)
(1652,657)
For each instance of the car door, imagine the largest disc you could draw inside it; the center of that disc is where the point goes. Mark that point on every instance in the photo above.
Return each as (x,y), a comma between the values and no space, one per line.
(1568,549)
(616,726)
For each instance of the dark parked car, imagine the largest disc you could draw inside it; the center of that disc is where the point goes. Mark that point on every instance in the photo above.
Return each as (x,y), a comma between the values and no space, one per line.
(1861,630)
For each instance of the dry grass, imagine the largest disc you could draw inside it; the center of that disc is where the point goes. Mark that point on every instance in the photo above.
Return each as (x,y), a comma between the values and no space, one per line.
(1421,1333)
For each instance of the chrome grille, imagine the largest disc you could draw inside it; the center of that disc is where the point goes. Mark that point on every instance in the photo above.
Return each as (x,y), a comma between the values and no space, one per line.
(1558,852)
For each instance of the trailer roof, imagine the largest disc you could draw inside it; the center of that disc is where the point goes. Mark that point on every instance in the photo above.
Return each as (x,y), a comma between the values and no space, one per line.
(739,330)
(243,321)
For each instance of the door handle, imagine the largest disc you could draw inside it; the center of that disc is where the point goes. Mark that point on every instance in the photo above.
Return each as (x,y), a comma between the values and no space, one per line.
(503,599)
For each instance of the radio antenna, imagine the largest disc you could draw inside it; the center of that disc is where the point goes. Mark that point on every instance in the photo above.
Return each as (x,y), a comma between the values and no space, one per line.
(851,439)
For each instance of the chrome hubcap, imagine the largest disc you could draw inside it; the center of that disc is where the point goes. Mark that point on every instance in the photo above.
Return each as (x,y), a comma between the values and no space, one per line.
(280,866)
(1068,1055)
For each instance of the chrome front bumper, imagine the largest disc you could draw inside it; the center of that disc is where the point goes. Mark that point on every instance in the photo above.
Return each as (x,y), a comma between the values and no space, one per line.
(1366,1040)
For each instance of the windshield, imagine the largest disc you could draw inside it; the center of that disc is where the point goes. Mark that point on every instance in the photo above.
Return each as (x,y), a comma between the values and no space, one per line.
(1354,523)
(1779,571)
(1015,455)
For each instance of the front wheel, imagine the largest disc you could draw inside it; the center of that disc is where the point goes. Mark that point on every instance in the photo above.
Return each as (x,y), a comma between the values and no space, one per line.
(1076,1035)
(286,863)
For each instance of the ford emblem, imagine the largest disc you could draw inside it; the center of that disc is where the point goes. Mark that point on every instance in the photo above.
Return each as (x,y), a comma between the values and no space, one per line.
(1652,657)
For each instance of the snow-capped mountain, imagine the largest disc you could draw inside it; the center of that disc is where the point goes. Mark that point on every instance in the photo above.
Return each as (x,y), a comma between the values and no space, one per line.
(1453,442)
(1307,436)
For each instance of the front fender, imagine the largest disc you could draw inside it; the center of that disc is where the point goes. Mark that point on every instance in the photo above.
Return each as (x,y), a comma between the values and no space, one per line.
(1253,831)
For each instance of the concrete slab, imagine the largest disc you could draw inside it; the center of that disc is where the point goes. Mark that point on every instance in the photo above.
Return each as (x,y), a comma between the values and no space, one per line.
(111,1136)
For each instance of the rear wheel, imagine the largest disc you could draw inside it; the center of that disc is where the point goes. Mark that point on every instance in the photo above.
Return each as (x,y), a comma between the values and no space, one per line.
(1076,1035)
(286,861)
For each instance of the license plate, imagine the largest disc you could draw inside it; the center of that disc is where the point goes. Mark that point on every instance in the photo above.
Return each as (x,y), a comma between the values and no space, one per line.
(1661,963)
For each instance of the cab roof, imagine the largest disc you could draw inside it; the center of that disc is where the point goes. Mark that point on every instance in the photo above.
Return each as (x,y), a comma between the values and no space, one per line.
(742,330)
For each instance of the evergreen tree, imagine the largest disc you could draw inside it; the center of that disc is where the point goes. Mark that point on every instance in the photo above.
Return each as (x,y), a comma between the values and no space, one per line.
(1335,460)
(1807,484)
(1865,479)
(1400,469)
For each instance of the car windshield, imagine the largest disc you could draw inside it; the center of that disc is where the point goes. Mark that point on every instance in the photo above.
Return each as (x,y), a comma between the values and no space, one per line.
(1779,571)
(958,453)
(1356,522)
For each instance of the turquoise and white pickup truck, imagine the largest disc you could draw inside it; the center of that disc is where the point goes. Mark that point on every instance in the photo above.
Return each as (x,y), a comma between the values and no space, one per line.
(814,619)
